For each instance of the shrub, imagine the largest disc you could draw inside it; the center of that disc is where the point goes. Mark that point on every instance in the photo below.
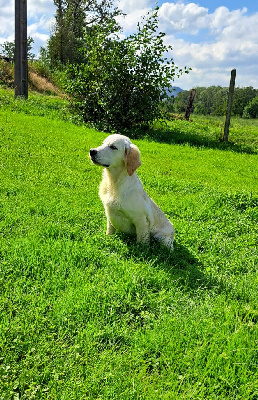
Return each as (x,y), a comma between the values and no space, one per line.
(122,82)
(6,73)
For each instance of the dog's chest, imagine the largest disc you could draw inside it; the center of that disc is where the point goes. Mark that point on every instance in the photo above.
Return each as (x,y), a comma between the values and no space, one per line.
(114,204)
(117,212)
(113,196)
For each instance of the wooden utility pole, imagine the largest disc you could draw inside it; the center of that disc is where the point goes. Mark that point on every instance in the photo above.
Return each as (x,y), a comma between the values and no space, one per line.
(190,104)
(229,105)
(20,53)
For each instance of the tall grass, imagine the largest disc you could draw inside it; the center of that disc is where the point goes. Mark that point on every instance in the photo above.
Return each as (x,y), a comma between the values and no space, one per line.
(85,316)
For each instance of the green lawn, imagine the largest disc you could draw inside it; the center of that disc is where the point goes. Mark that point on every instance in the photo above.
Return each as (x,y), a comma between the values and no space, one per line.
(85,316)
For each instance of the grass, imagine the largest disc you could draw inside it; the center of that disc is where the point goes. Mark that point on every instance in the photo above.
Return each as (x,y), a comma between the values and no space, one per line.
(85,316)
(206,131)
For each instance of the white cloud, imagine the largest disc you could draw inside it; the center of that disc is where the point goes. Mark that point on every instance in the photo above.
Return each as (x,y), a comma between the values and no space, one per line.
(214,42)
(132,6)
(7,19)
(224,40)
(37,8)
(179,17)
(40,19)
(223,18)
(42,10)
(43,24)
(129,21)
(218,77)
(39,31)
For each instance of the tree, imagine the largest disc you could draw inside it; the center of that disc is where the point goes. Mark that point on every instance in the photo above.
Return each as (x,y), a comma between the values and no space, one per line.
(122,82)
(242,97)
(251,110)
(8,49)
(211,100)
(180,102)
(73,18)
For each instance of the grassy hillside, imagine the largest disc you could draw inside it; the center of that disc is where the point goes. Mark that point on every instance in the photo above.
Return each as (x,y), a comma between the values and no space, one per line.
(85,316)
(38,78)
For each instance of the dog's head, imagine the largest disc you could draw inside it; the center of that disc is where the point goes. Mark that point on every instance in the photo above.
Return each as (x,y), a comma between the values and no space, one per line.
(117,151)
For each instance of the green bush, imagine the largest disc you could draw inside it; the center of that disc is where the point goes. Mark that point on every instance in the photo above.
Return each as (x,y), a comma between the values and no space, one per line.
(6,73)
(251,110)
(122,82)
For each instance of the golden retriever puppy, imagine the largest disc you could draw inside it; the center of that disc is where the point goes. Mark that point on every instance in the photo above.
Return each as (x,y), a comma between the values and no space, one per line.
(128,207)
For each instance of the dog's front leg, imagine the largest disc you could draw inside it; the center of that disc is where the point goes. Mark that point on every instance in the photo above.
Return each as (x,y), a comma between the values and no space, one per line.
(110,229)
(142,230)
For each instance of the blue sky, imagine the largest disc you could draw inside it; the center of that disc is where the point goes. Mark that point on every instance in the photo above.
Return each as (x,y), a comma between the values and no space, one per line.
(211,37)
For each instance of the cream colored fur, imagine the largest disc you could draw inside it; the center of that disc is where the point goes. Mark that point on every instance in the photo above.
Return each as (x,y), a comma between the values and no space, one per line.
(128,207)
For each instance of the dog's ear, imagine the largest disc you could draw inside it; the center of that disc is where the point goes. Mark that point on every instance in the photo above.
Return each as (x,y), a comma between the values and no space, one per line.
(132,159)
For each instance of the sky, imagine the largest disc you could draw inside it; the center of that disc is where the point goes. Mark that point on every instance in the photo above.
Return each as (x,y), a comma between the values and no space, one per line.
(210,36)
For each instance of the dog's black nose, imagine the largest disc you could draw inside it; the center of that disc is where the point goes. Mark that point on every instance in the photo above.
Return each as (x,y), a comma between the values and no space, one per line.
(93,152)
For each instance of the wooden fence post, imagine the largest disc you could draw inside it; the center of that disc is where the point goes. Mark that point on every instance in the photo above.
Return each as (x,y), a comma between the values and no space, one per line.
(229,105)
(190,104)
(20,53)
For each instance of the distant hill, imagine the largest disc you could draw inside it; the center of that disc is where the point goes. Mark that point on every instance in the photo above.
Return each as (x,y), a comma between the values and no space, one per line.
(174,90)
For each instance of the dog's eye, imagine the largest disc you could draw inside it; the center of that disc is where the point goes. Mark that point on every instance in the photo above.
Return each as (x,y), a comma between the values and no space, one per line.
(112,147)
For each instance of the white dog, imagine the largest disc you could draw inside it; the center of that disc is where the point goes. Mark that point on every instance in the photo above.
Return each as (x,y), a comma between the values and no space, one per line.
(128,207)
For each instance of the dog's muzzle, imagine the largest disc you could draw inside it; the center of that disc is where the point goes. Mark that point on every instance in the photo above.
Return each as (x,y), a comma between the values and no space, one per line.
(93,157)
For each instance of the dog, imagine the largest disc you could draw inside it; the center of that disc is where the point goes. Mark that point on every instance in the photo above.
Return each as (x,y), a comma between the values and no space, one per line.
(127,206)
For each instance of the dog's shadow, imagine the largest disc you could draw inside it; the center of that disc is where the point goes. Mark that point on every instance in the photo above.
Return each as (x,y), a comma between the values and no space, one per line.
(182,266)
